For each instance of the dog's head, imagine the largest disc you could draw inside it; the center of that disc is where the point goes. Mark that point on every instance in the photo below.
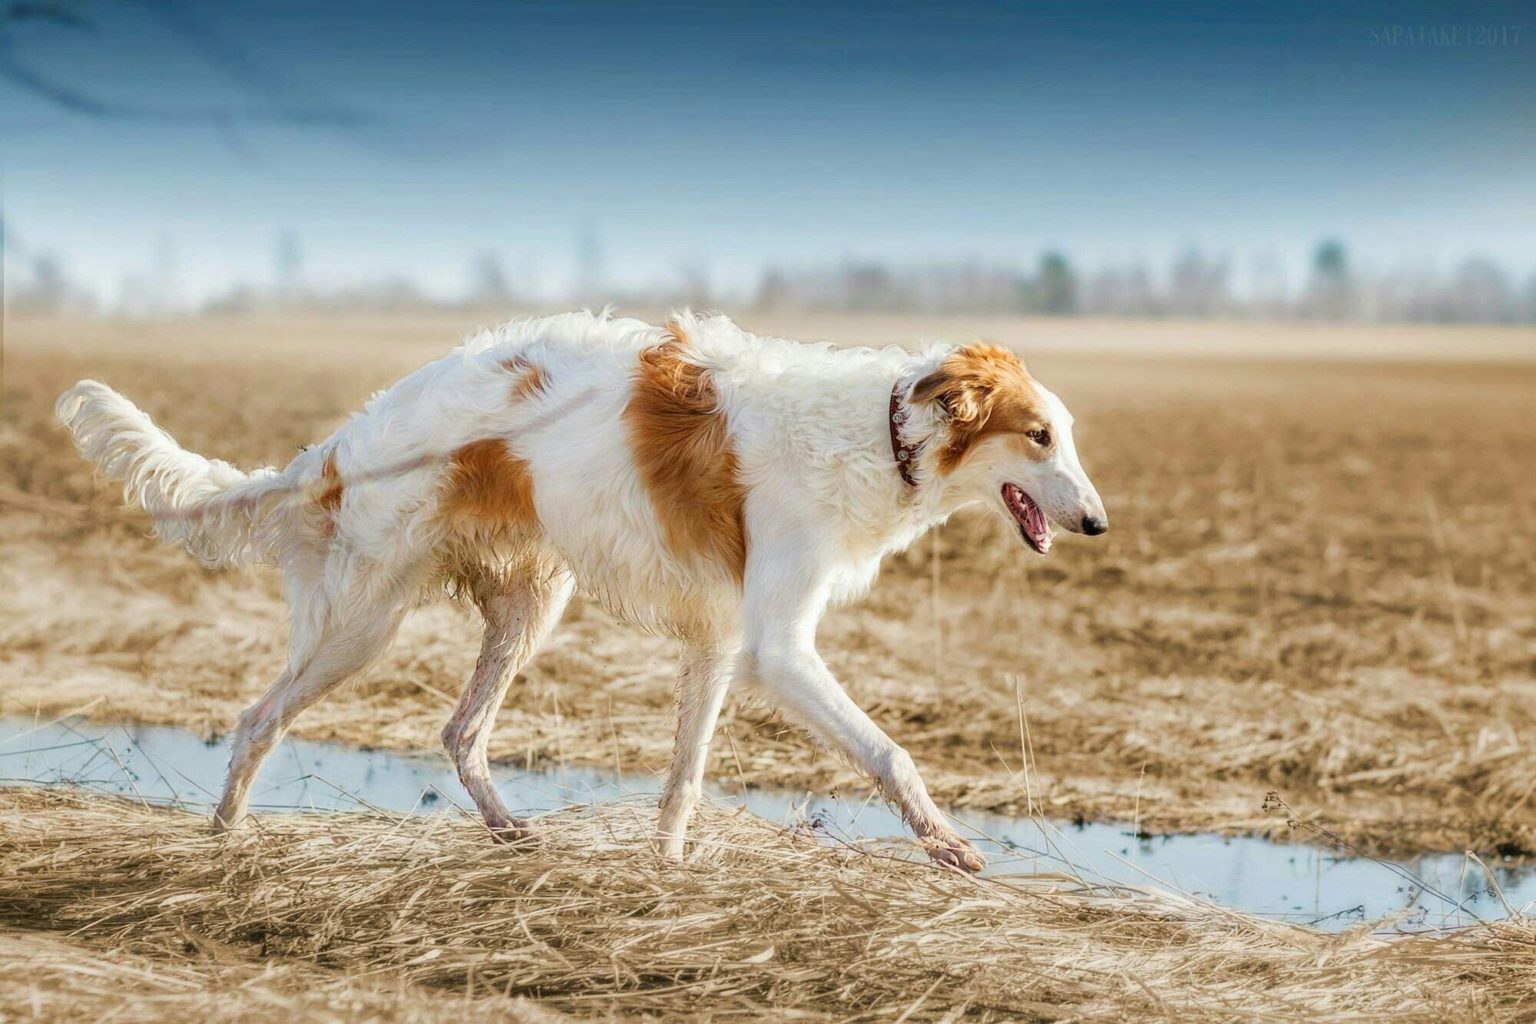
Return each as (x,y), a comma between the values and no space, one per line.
(1008,440)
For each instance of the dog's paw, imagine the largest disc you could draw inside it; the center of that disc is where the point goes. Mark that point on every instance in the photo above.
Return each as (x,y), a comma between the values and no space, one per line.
(669,847)
(511,831)
(954,852)
(224,824)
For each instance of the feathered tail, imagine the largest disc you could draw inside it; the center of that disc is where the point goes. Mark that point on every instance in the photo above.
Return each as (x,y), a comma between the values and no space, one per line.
(222,516)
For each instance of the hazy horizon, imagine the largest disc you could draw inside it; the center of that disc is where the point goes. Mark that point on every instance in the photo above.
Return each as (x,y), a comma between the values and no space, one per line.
(696,140)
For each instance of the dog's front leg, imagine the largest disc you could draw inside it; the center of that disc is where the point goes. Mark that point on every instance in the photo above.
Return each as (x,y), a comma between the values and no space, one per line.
(799,682)
(782,611)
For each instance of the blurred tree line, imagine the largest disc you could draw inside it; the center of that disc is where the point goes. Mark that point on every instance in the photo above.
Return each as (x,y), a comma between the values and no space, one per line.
(1194,285)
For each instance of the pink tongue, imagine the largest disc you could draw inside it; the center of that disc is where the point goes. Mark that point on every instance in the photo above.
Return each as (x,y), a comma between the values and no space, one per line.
(1034,520)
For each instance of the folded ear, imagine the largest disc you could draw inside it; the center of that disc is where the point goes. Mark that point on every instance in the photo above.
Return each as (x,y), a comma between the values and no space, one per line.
(957,393)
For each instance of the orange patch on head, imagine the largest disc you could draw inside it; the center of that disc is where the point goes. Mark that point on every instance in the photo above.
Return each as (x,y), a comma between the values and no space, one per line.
(530,378)
(985,391)
(682,448)
(488,484)
(330,496)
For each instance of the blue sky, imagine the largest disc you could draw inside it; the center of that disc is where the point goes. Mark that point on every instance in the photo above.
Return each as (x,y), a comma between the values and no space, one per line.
(403,138)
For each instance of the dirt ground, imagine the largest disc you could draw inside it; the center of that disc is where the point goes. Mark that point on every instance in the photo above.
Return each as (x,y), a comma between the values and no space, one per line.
(1318,582)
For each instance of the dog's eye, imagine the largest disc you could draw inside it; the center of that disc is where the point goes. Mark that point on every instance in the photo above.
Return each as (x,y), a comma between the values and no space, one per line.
(1040,437)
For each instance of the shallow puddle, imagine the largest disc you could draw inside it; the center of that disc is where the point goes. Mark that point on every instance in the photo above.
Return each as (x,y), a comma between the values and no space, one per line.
(1293,882)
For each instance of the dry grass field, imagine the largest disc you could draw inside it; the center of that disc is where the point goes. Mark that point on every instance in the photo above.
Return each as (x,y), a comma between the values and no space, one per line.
(1318,582)
(107,907)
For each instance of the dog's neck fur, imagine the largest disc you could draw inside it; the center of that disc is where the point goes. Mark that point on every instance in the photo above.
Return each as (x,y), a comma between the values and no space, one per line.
(928,500)
(925,424)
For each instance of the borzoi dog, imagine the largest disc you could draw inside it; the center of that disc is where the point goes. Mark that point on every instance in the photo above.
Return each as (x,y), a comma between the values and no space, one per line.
(694,478)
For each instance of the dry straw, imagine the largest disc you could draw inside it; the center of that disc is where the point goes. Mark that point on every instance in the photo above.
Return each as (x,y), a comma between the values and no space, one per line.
(375,916)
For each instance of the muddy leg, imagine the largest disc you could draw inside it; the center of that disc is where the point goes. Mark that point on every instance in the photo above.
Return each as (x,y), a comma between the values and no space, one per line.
(518,617)
(343,650)
(702,682)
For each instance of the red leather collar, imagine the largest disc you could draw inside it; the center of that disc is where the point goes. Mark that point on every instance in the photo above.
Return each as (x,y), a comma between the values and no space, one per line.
(905,454)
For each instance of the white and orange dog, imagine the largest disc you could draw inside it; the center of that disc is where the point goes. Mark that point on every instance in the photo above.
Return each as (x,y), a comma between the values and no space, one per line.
(694,478)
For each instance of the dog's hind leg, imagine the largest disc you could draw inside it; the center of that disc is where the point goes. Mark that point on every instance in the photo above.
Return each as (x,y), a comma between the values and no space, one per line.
(348,641)
(702,682)
(519,614)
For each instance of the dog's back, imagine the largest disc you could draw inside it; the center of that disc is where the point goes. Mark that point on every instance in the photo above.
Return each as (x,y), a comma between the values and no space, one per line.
(630,453)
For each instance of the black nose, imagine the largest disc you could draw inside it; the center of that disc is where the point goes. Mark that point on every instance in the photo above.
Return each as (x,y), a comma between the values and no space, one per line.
(1093,525)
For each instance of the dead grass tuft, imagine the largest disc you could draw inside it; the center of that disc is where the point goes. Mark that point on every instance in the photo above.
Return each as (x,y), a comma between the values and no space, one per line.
(52,977)
(759,924)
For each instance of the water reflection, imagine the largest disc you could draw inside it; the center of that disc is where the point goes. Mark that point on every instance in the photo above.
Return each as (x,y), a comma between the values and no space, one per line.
(1294,882)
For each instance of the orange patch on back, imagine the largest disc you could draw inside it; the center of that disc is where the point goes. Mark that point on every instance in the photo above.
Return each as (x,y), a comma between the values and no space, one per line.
(986,391)
(530,378)
(331,489)
(682,448)
(488,484)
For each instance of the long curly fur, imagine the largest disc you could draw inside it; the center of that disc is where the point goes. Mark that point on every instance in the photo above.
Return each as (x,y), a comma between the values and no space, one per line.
(222,516)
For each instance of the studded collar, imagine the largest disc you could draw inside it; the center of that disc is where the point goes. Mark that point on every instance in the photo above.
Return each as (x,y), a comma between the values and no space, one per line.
(905,453)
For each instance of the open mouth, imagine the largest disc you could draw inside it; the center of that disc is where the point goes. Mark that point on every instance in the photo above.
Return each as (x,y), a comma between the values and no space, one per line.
(1033,526)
